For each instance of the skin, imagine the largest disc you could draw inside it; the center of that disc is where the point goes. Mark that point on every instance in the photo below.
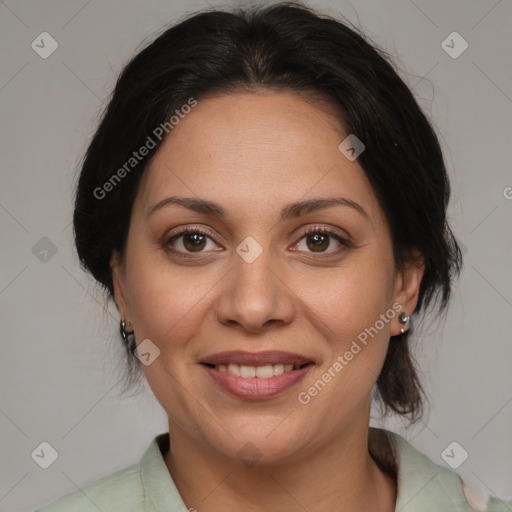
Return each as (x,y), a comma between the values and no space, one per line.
(252,154)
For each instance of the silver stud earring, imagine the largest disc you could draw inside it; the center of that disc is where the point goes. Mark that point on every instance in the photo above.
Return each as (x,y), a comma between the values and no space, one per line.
(126,335)
(404,319)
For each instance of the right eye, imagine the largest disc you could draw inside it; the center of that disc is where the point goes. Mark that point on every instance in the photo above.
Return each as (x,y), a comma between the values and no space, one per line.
(189,240)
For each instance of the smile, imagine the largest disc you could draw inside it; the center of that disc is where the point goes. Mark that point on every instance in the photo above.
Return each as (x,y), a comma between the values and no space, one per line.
(261,372)
(256,382)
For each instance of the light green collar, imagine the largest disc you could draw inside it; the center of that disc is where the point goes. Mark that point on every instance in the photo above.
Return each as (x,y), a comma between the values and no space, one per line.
(423,486)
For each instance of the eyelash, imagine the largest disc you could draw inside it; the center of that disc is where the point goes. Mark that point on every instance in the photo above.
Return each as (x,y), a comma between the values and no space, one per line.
(313,230)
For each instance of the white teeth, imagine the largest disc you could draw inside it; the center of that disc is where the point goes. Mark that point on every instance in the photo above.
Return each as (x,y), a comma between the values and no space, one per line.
(262,372)
(278,369)
(247,371)
(234,369)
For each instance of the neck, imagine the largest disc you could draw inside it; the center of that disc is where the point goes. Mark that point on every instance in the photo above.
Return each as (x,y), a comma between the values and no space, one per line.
(341,476)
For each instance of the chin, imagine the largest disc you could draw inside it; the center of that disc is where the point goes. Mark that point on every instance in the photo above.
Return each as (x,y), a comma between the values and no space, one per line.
(261,448)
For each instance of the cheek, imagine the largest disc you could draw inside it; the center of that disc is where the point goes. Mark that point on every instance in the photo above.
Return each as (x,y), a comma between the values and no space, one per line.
(166,302)
(346,301)
(346,308)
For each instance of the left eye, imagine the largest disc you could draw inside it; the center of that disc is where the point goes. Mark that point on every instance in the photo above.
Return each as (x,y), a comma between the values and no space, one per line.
(190,240)
(318,240)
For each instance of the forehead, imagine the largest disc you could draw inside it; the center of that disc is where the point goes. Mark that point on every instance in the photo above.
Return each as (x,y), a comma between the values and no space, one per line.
(255,149)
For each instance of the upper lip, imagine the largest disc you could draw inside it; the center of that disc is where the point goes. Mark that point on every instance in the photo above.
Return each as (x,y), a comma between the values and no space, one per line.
(241,357)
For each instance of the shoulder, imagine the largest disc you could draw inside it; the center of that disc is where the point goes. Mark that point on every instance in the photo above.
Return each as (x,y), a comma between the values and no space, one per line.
(145,486)
(424,486)
(482,501)
(497,505)
(120,489)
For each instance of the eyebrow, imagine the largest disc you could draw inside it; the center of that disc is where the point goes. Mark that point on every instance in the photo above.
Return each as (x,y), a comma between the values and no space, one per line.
(292,210)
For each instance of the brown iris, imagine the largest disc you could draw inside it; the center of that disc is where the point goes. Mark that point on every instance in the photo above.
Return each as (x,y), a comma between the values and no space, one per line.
(194,241)
(320,241)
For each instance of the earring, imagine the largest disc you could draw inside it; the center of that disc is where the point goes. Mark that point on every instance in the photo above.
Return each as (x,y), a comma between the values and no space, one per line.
(404,319)
(125,334)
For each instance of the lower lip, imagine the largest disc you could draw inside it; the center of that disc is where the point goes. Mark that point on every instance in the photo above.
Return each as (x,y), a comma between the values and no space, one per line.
(253,388)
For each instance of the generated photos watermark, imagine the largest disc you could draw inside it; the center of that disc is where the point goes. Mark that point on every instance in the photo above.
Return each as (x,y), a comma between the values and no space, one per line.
(304,397)
(137,156)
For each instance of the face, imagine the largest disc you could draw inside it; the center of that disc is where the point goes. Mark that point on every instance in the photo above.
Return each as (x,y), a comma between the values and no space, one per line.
(266,276)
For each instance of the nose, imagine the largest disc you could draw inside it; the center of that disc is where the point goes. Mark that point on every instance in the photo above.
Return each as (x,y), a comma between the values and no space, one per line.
(255,296)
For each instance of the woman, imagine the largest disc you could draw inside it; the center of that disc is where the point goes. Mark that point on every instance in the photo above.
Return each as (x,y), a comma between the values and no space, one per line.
(266,204)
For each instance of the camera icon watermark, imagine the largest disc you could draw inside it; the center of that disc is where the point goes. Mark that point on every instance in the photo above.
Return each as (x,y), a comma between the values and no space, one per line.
(351,147)
(146,352)
(249,454)
(454,45)
(507,192)
(44,455)
(249,249)
(44,45)
(454,455)
(44,249)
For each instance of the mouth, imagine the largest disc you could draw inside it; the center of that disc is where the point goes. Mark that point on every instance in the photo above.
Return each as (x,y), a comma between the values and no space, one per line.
(259,375)
(266,371)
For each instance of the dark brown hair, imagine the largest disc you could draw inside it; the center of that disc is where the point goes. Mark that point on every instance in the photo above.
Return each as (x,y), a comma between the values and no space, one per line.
(284,47)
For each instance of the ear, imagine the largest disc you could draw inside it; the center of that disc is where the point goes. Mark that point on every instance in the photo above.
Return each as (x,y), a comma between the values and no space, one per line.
(407,287)
(119,283)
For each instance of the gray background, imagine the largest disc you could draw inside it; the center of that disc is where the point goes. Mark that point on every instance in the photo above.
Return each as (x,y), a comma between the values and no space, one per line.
(59,360)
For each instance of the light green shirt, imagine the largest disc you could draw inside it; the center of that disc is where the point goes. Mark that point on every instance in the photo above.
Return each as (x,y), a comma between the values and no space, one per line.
(147,486)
